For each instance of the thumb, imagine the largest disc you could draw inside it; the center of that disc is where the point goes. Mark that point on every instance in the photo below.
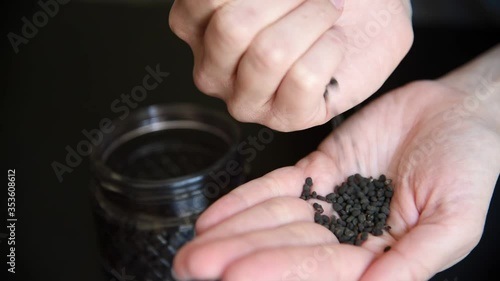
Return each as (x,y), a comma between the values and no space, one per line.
(425,250)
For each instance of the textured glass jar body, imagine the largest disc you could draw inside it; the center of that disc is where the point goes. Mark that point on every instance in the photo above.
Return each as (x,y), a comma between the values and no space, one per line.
(152,177)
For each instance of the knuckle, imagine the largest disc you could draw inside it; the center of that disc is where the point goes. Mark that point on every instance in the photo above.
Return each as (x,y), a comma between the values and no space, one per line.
(305,80)
(239,112)
(177,26)
(293,118)
(228,29)
(265,55)
(204,82)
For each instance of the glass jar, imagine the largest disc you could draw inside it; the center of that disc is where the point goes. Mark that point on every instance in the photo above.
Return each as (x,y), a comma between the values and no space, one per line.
(152,177)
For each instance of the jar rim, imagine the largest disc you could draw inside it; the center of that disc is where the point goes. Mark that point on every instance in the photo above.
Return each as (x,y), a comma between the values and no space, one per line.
(183,115)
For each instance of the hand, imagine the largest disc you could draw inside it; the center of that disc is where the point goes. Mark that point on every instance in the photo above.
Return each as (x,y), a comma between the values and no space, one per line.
(292,64)
(440,145)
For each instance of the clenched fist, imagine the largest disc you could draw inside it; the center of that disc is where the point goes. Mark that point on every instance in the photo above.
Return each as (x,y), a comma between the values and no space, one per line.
(292,64)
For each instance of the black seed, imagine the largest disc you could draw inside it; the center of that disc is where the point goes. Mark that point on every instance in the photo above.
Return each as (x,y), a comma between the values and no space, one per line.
(380,193)
(386,249)
(362,205)
(380,224)
(337,207)
(339,231)
(377,232)
(322,198)
(331,196)
(318,208)
(388,193)
(325,219)
(362,218)
(387,228)
(364,236)
(348,207)
(309,181)
(361,227)
(349,233)
(333,82)
(341,190)
(317,217)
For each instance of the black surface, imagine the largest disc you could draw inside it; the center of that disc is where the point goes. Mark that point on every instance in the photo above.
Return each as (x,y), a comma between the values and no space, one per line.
(65,79)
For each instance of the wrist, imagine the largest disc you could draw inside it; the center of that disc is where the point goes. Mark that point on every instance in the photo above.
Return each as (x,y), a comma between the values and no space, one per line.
(479,82)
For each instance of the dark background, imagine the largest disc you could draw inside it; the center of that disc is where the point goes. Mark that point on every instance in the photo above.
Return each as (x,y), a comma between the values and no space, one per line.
(66,77)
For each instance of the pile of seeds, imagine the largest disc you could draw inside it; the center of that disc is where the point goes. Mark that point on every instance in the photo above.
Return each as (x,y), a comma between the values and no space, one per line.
(362,206)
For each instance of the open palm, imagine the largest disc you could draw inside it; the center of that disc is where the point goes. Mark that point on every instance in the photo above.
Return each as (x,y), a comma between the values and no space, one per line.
(444,166)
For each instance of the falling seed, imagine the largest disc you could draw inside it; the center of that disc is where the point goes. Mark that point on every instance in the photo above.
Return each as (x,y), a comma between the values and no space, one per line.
(309,181)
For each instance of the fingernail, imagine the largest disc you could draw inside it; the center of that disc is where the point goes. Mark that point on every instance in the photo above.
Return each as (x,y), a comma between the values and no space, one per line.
(339,4)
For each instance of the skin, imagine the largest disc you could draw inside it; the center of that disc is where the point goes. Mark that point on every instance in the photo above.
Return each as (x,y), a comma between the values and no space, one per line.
(272,61)
(440,143)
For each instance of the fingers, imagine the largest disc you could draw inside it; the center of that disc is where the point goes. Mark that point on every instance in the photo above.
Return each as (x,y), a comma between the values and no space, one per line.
(303,99)
(269,214)
(229,33)
(326,262)
(282,182)
(425,250)
(190,262)
(373,49)
(273,52)
(188,18)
